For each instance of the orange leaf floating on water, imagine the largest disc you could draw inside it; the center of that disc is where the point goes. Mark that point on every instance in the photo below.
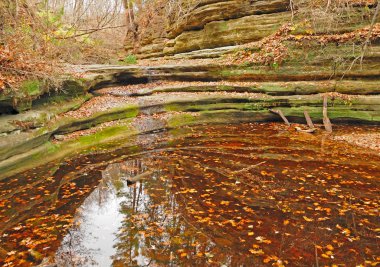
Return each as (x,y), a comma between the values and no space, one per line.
(346,232)
(329,253)
(267,259)
(286,222)
(225,202)
(263,240)
(307,219)
(372,263)
(256,251)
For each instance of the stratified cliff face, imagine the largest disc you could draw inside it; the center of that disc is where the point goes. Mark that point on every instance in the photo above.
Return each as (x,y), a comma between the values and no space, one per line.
(216,24)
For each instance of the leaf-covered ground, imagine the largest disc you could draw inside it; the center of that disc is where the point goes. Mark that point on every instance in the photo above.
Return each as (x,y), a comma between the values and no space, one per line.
(365,140)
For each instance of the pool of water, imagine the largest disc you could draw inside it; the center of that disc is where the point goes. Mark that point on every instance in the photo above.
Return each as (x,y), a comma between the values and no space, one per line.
(223,195)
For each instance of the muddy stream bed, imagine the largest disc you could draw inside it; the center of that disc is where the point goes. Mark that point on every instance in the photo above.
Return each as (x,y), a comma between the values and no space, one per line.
(222,195)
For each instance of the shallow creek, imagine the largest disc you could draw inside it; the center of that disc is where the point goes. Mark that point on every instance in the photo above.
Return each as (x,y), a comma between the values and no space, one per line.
(222,195)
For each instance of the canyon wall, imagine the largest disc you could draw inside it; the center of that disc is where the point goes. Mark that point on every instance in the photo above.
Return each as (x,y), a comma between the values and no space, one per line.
(225,23)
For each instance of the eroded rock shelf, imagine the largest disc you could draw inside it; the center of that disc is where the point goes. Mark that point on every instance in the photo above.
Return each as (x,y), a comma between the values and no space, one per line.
(177,95)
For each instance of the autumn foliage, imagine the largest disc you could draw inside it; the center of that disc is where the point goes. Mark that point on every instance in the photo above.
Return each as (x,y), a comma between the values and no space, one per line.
(314,21)
(17,65)
(23,49)
(273,50)
(37,37)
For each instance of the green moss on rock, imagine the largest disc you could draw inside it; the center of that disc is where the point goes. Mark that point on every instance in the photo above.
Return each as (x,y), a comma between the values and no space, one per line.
(181,120)
(31,87)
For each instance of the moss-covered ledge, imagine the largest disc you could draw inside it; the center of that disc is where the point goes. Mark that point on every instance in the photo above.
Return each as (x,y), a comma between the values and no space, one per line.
(41,114)
(48,151)
(18,143)
(202,109)
(351,87)
(33,92)
(115,136)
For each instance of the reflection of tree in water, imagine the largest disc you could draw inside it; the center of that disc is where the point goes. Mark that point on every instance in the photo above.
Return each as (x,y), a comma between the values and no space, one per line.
(157,229)
(218,199)
(73,250)
(208,203)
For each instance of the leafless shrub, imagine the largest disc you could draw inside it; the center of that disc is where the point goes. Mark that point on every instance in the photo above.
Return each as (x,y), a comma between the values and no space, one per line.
(325,16)
(37,36)
(148,20)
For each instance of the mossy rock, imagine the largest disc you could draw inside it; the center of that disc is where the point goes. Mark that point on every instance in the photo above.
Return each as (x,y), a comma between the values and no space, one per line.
(31,88)
(28,91)
(43,111)
(181,120)
(70,125)
(215,108)
(20,143)
(47,151)
(36,91)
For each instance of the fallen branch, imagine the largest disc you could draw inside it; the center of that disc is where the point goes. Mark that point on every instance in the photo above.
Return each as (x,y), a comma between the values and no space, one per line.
(139,177)
(89,31)
(279,112)
(326,120)
(310,124)
(299,129)
(308,120)
(249,168)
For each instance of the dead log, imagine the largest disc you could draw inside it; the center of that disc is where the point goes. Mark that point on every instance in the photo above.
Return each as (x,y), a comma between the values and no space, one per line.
(279,112)
(299,129)
(137,178)
(249,168)
(326,120)
(308,120)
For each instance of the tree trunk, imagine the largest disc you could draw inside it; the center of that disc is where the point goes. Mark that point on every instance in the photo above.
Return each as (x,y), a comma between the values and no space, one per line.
(326,120)
(130,21)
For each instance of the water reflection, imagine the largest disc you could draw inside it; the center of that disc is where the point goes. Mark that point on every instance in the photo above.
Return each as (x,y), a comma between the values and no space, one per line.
(100,218)
(227,201)
(90,241)
(236,195)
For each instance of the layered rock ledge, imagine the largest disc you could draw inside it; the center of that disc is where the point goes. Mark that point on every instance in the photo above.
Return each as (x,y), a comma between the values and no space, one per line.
(171,96)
